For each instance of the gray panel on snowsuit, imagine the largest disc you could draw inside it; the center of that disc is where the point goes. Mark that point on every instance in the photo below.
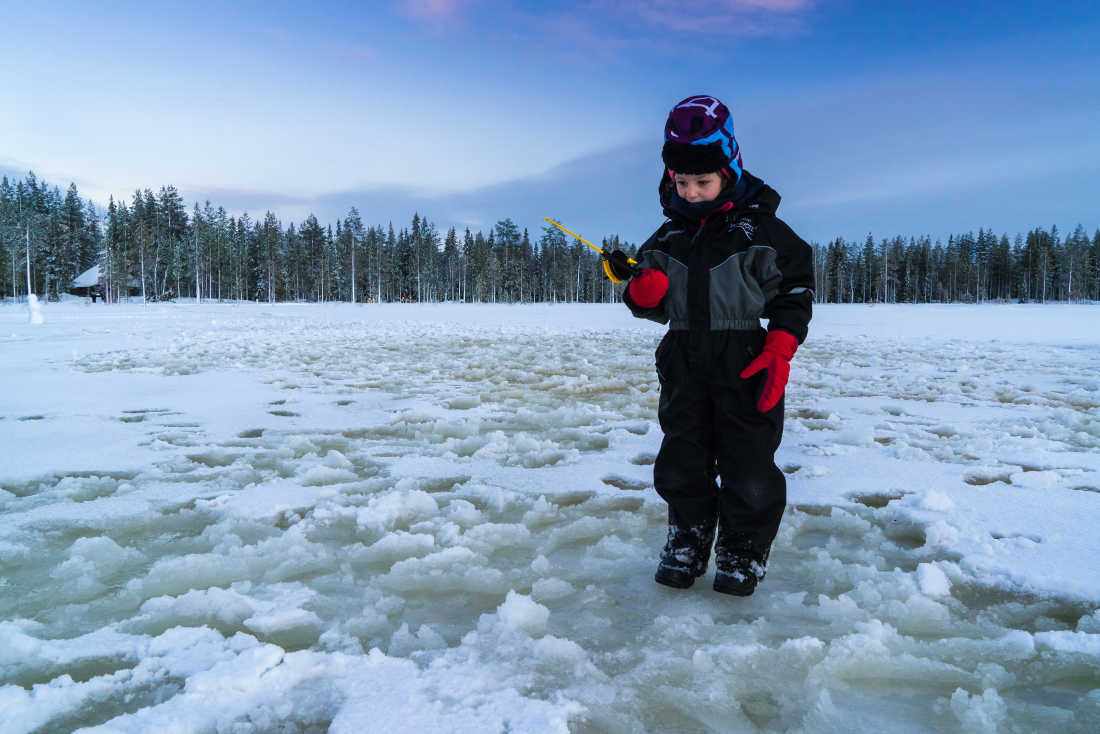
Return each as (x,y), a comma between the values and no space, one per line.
(740,286)
(676,305)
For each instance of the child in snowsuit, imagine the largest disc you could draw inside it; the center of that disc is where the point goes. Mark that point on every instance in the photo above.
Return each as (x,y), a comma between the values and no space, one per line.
(721,262)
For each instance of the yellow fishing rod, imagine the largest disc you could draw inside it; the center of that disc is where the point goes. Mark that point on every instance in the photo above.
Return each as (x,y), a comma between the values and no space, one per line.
(606,262)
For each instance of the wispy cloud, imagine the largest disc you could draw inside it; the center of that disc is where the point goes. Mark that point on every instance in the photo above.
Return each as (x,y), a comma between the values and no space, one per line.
(730,18)
(433,10)
(17,170)
(609,28)
(277,33)
(783,6)
(611,31)
(439,18)
(357,52)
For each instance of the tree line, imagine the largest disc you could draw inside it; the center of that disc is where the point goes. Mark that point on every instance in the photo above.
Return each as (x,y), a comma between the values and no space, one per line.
(154,247)
(1039,266)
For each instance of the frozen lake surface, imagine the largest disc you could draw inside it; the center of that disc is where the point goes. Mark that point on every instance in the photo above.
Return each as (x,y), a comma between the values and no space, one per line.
(252,518)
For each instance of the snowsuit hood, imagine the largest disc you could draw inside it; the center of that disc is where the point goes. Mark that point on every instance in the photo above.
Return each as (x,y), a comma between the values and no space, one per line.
(750,192)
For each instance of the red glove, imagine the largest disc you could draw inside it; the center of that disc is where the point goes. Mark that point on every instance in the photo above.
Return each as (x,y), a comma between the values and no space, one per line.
(648,287)
(779,348)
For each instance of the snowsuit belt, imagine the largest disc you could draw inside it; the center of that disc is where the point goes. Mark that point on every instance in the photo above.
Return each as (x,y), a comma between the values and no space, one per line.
(718,324)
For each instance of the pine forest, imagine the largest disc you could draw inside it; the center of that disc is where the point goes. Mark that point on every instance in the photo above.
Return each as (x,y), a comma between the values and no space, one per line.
(154,247)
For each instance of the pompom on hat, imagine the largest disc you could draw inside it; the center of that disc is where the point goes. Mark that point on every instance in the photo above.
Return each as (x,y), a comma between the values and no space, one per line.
(699,138)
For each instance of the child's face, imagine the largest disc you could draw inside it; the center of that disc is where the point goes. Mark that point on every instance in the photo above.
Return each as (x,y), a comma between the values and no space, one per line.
(698,188)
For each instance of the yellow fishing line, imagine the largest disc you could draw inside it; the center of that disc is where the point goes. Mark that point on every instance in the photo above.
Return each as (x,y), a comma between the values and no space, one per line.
(630,260)
(606,262)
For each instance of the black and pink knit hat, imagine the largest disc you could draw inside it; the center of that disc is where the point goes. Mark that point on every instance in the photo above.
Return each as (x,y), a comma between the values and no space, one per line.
(699,138)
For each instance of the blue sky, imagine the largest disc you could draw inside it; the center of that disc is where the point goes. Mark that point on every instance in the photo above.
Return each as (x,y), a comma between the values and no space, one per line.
(893,118)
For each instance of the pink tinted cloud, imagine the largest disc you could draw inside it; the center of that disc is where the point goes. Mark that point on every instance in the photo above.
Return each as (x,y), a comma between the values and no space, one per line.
(779,6)
(358,52)
(430,9)
(713,17)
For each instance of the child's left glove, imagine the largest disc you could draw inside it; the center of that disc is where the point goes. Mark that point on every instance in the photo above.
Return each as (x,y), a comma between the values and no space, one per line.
(779,349)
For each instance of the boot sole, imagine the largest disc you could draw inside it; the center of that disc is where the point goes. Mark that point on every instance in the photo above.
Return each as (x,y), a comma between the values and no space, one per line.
(734,588)
(675,579)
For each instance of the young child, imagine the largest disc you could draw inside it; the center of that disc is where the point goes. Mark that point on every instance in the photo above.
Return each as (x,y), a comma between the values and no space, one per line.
(721,262)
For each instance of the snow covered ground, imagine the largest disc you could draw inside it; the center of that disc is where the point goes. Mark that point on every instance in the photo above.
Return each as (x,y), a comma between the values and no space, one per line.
(238,518)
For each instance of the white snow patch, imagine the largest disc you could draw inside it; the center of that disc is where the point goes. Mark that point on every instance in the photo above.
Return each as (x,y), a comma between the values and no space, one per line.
(933,581)
(520,612)
(976,713)
(937,501)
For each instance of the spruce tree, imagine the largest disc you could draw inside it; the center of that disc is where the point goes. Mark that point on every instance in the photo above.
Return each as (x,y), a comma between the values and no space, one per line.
(506,240)
(450,266)
(1094,266)
(468,247)
(868,269)
(8,238)
(72,232)
(355,236)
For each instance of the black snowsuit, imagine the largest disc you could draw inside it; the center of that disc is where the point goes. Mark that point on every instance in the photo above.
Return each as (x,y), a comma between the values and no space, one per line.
(724,273)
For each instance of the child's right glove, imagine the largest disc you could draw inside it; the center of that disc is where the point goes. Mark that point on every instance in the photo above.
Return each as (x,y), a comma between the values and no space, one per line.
(619,267)
(779,348)
(648,288)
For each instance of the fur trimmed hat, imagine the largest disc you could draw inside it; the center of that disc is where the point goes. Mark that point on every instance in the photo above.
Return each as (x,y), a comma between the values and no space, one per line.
(699,138)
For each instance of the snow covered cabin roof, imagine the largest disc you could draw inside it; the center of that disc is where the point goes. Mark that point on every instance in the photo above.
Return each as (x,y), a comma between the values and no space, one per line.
(88,278)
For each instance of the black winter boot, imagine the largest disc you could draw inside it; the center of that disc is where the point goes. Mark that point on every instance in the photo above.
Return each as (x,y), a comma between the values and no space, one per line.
(740,564)
(685,555)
